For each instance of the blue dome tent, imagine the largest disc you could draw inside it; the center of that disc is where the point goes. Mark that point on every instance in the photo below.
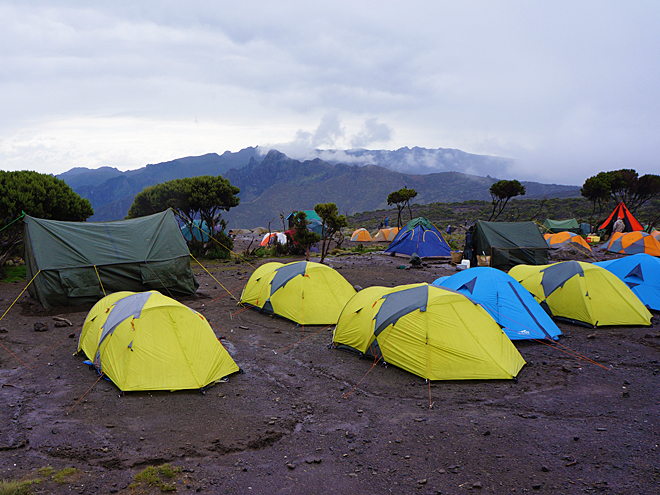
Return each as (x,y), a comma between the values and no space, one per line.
(508,302)
(640,272)
(419,236)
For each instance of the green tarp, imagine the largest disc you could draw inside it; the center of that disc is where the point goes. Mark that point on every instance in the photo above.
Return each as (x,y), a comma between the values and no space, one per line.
(509,244)
(147,253)
(556,226)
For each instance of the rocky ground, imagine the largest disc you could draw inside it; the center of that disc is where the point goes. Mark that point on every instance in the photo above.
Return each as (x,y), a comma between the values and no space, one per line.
(583,416)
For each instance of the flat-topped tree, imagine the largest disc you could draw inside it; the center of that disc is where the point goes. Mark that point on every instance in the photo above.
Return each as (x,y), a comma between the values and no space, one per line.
(203,197)
(501,192)
(40,196)
(401,199)
(332,223)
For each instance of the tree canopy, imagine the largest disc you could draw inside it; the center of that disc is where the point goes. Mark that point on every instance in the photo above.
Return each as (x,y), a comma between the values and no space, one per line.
(203,197)
(40,196)
(623,185)
(332,222)
(401,199)
(501,192)
(301,238)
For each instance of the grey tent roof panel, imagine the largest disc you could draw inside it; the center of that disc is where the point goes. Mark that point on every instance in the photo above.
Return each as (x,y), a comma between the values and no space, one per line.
(398,304)
(555,276)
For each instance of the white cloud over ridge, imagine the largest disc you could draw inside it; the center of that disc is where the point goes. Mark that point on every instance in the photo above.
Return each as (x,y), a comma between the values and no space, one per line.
(567,89)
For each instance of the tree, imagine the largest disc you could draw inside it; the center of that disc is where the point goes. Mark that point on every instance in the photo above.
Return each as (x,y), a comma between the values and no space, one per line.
(401,199)
(332,223)
(501,192)
(302,237)
(38,195)
(623,185)
(194,198)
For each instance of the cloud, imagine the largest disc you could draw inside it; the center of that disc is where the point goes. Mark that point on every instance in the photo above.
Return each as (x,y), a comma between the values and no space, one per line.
(565,88)
(372,132)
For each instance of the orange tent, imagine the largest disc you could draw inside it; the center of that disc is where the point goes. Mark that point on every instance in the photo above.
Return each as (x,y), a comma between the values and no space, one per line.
(361,235)
(633,243)
(386,234)
(556,240)
(631,223)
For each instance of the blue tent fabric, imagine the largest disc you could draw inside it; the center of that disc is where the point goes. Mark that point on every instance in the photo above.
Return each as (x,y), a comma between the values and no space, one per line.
(640,272)
(419,236)
(197,226)
(506,300)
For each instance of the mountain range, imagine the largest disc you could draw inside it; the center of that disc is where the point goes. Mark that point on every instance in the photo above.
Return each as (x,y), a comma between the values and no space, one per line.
(275,184)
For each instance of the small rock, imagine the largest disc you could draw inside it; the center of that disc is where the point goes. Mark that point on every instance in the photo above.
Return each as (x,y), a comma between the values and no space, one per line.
(60,324)
(318,460)
(477,485)
(536,486)
(290,465)
(422,481)
(545,469)
(591,336)
(40,327)
(3,330)
(62,320)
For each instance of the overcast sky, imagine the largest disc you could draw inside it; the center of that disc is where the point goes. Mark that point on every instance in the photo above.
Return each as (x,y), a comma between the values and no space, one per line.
(566,88)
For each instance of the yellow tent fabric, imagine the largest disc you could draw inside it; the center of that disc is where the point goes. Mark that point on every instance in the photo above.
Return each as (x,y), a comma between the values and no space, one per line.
(361,235)
(304,292)
(432,332)
(582,292)
(148,341)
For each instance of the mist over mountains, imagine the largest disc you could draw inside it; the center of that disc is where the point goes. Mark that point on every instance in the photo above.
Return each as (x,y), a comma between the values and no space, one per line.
(274,184)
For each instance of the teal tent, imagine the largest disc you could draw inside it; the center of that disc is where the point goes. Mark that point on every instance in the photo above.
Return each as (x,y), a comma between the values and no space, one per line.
(314,222)
(80,262)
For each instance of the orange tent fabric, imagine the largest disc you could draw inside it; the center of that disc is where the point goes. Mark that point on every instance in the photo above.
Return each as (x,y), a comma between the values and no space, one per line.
(633,243)
(556,240)
(361,235)
(631,223)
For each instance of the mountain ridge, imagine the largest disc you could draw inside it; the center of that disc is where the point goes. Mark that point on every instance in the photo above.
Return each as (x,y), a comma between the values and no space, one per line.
(275,184)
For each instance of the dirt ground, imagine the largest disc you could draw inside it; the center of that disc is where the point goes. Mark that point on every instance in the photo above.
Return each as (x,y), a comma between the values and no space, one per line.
(304,418)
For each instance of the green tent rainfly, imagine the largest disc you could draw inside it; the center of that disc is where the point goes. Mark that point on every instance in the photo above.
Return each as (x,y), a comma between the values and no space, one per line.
(147,253)
(509,244)
(556,226)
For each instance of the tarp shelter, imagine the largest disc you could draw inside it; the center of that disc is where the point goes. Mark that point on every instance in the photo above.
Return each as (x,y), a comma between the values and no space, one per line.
(561,238)
(509,244)
(361,235)
(386,235)
(620,211)
(556,226)
(633,243)
(148,341)
(314,222)
(508,302)
(138,254)
(304,292)
(272,238)
(640,272)
(582,293)
(432,332)
(419,236)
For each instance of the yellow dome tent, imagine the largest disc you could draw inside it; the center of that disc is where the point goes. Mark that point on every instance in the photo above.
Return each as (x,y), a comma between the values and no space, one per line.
(148,341)
(432,332)
(304,292)
(582,293)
